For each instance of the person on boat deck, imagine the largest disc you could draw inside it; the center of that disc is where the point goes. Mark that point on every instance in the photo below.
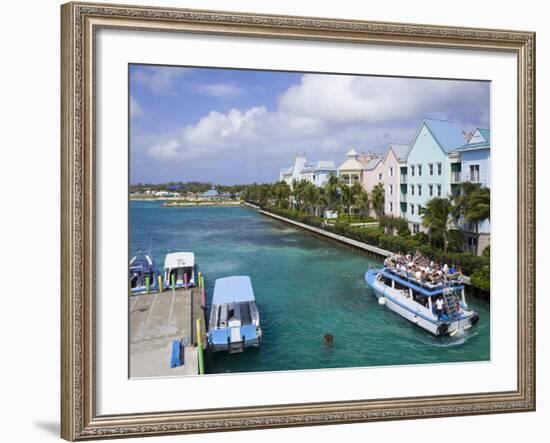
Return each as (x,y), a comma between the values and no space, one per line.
(439,307)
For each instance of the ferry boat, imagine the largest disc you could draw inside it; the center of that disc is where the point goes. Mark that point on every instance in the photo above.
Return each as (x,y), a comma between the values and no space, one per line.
(234,318)
(416,301)
(143,273)
(179,267)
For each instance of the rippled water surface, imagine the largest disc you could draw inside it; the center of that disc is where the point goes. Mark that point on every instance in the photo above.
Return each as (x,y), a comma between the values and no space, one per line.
(305,287)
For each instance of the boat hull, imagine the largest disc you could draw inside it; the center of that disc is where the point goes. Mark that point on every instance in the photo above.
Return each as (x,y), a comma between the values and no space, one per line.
(395,301)
(233,346)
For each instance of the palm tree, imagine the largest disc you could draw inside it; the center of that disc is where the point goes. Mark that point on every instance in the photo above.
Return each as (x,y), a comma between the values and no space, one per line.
(478,207)
(297,192)
(320,201)
(281,193)
(378,200)
(348,198)
(361,198)
(472,205)
(436,216)
(332,192)
(308,196)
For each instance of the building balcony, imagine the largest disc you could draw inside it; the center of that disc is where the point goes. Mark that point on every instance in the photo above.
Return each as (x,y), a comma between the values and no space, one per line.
(402,197)
(455,177)
(403,178)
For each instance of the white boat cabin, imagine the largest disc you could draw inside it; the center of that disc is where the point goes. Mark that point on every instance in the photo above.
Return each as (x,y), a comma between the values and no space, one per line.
(179,269)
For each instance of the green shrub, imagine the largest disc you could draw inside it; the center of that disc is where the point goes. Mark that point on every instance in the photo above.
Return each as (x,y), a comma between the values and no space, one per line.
(455,241)
(422,238)
(482,279)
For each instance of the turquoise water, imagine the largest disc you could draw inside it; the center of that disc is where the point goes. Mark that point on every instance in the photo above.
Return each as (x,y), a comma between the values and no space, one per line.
(305,287)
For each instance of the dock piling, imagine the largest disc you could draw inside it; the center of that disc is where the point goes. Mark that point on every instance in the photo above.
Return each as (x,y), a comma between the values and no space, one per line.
(148,284)
(160,283)
(200,351)
(173,278)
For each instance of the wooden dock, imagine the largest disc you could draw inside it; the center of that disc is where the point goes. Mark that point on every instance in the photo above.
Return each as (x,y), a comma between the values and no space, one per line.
(156,321)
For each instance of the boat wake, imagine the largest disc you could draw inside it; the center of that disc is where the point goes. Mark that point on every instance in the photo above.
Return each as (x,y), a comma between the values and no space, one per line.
(458,339)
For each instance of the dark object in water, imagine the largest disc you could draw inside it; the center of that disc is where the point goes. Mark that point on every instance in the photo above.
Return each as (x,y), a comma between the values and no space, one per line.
(328,339)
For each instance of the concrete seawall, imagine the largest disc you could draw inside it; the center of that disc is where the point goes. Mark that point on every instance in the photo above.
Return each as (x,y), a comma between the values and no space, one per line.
(372,250)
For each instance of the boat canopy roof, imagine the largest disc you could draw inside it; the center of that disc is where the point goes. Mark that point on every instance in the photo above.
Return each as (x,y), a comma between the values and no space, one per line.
(424,288)
(234,289)
(142,261)
(179,260)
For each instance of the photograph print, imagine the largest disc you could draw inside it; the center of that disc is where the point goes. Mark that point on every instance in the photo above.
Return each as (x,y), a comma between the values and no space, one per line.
(285,221)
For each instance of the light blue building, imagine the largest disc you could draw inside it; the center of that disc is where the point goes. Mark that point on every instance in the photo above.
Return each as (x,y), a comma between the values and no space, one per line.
(431,159)
(318,172)
(475,167)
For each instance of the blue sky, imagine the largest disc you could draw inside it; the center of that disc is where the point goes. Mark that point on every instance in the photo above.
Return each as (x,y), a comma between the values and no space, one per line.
(236,126)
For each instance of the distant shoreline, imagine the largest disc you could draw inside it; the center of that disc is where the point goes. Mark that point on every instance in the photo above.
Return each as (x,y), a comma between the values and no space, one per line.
(171,202)
(182,204)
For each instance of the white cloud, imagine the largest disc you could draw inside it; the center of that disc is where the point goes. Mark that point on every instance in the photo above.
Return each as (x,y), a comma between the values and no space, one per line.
(328,112)
(330,144)
(346,99)
(159,79)
(135,108)
(220,90)
(220,132)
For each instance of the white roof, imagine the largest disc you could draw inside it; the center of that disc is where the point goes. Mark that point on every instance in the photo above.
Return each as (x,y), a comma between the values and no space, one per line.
(179,260)
(351,164)
(352,153)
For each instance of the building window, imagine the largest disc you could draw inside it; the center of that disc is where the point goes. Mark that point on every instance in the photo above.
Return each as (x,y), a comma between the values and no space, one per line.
(431,190)
(419,170)
(355,178)
(380,177)
(412,189)
(412,170)
(412,209)
(391,172)
(418,207)
(439,190)
(431,167)
(472,245)
(391,207)
(416,229)
(419,189)
(439,168)
(474,173)
(391,189)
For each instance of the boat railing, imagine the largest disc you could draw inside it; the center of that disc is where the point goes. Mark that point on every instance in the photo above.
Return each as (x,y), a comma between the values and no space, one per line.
(412,278)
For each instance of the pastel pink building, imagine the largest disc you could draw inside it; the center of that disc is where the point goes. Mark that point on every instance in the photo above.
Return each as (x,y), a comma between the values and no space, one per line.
(394,159)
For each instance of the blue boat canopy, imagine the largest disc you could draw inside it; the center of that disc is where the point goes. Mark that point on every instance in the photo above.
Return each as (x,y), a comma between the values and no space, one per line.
(232,290)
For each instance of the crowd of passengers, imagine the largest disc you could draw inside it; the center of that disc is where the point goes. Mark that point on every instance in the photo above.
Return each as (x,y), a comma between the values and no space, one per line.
(422,269)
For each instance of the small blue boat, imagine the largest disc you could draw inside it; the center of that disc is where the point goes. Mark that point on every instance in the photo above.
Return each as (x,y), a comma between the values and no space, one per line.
(234,318)
(143,273)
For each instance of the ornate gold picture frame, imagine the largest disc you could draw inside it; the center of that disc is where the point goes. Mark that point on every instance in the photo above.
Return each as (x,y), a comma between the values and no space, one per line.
(80,22)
